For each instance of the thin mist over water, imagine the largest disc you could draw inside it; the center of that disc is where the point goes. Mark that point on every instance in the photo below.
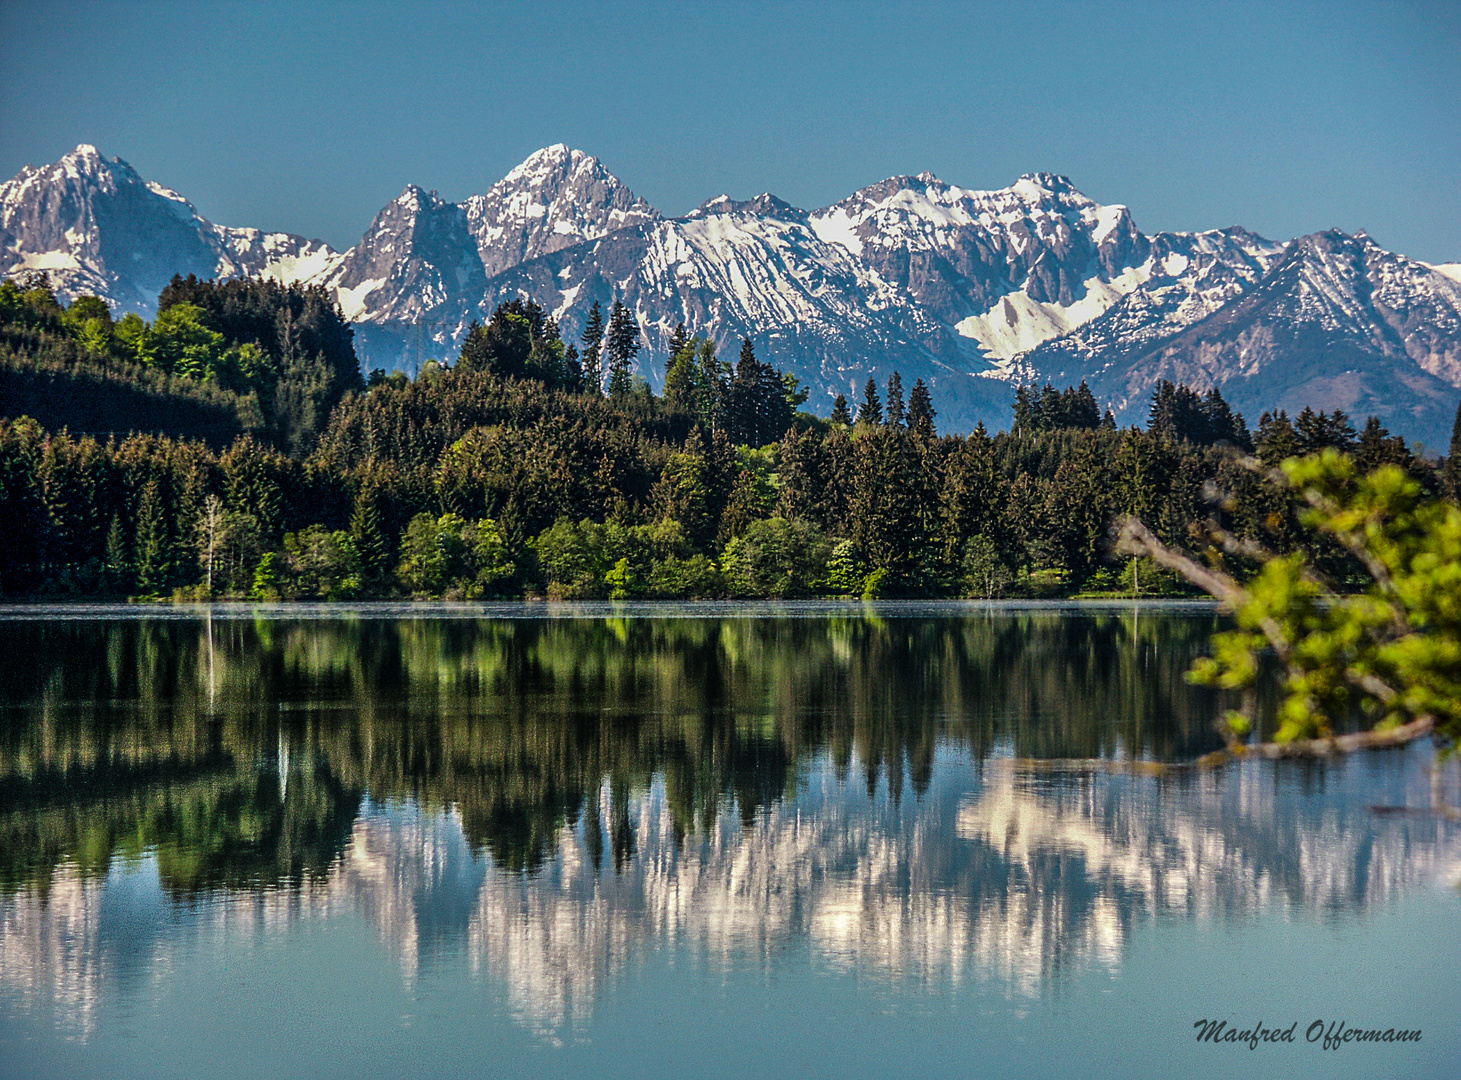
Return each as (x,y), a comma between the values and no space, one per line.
(601,609)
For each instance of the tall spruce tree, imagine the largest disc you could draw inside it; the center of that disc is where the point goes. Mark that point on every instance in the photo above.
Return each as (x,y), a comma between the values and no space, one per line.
(894,414)
(840,413)
(118,564)
(368,535)
(744,404)
(621,346)
(679,341)
(1081,410)
(681,382)
(712,391)
(153,544)
(921,411)
(572,368)
(871,409)
(593,344)
(1025,419)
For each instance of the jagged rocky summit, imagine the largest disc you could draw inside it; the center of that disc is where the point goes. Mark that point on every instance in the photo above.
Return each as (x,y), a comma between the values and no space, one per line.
(972,291)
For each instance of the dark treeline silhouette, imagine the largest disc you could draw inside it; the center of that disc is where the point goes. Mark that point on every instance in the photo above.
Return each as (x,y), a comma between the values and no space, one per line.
(531,468)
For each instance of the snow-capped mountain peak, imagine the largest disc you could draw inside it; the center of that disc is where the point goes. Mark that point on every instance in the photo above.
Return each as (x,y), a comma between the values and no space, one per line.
(556,198)
(763,205)
(541,162)
(1032,281)
(95,226)
(1043,184)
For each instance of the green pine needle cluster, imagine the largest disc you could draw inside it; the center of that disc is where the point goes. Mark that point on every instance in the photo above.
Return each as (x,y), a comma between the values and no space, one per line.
(1385,654)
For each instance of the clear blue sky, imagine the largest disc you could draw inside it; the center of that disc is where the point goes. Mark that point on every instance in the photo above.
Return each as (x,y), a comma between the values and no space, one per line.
(307,117)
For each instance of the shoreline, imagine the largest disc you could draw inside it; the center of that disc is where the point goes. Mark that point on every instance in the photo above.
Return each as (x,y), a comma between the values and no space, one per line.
(586,609)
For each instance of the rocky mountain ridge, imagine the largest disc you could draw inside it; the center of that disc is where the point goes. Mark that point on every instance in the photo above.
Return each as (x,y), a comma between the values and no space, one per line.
(973,291)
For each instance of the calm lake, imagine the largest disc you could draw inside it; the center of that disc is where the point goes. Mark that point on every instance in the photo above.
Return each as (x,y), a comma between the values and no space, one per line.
(696,840)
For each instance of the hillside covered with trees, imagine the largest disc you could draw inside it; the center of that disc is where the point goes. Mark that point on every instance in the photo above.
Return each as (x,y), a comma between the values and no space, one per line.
(231,449)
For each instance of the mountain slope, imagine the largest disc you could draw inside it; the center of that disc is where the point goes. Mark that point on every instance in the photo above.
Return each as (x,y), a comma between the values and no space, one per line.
(1337,322)
(757,269)
(1008,268)
(95,226)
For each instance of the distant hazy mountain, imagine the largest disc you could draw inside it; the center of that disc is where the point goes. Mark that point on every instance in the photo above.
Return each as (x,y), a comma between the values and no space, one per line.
(973,291)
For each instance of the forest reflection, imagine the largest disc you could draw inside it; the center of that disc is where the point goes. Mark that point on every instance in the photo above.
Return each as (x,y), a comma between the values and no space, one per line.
(182,736)
(553,798)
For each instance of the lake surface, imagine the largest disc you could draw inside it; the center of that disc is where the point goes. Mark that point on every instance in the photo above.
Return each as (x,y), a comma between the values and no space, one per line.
(711,840)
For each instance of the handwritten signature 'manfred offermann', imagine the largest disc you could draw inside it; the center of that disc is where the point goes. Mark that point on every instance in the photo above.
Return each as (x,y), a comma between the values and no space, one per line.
(1331,1034)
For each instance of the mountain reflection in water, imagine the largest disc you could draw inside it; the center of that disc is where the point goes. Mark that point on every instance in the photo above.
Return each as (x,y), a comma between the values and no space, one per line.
(548,801)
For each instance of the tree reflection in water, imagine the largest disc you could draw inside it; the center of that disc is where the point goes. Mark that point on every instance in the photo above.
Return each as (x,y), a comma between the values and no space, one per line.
(552,798)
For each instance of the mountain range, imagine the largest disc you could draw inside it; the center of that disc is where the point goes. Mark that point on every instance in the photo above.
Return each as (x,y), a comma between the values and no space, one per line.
(972,291)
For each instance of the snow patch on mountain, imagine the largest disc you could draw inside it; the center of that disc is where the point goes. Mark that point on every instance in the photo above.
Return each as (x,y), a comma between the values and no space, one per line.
(1450,270)
(1018,323)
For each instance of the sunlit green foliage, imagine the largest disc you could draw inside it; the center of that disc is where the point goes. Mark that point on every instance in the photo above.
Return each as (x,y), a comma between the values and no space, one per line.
(517,434)
(220,359)
(777,558)
(1389,651)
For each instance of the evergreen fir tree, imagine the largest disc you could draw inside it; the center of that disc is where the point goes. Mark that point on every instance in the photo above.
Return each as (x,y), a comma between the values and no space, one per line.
(680,383)
(1082,410)
(840,413)
(593,343)
(679,341)
(1177,413)
(871,409)
(1317,431)
(1050,408)
(118,565)
(368,536)
(1223,425)
(1378,447)
(154,562)
(745,404)
(894,414)
(773,397)
(1025,419)
(1276,438)
(572,368)
(921,411)
(711,392)
(621,346)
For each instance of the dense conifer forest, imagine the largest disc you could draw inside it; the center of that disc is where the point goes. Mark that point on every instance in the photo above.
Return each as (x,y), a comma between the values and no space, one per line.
(231,449)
